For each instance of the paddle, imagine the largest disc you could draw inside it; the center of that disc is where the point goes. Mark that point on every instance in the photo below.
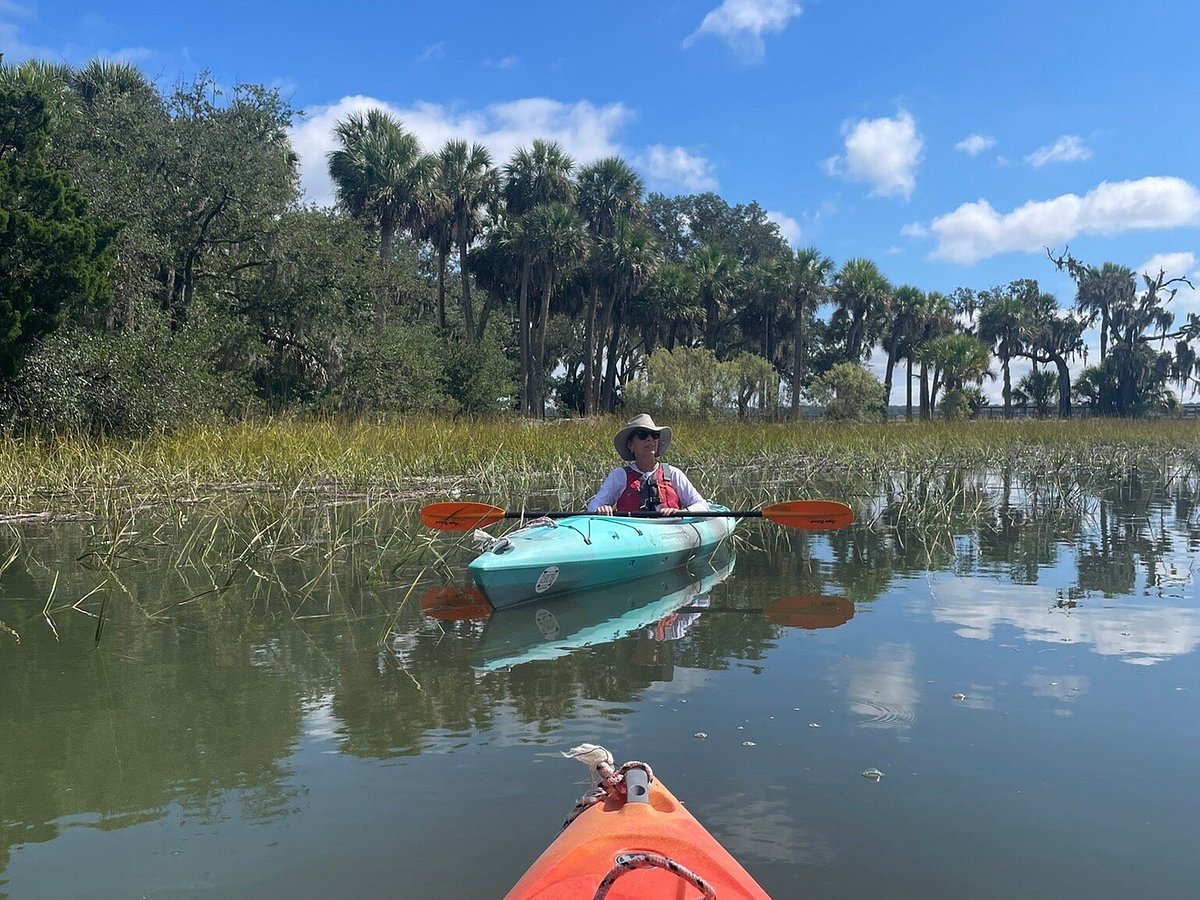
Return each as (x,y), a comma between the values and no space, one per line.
(810,612)
(455,604)
(806,515)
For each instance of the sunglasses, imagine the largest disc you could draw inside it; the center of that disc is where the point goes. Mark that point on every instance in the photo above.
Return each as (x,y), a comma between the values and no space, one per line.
(641,434)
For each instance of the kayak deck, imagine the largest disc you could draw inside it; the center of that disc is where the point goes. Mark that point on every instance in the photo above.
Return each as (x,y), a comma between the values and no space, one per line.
(551,557)
(585,852)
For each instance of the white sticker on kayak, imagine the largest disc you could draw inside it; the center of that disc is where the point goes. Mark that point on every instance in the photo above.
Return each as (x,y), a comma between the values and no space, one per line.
(546,579)
(546,623)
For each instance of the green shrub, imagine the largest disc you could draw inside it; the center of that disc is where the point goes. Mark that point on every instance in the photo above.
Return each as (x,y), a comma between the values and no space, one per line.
(849,393)
(125,382)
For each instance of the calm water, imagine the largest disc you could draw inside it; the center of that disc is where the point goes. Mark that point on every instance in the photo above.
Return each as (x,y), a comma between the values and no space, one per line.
(295,726)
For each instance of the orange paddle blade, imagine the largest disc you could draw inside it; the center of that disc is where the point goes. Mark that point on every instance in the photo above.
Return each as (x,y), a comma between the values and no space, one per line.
(810,612)
(459,515)
(810,515)
(454,604)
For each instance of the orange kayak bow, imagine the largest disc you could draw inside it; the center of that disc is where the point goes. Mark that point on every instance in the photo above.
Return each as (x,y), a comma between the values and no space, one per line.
(634,841)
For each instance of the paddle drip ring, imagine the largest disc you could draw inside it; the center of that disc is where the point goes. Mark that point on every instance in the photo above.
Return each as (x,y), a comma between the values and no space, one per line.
(645,860)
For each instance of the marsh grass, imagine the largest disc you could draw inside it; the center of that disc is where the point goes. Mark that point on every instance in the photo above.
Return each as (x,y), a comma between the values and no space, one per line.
(310,518)
(420,457)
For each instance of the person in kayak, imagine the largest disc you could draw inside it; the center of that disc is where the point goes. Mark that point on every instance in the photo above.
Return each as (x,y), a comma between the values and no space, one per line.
(645,484)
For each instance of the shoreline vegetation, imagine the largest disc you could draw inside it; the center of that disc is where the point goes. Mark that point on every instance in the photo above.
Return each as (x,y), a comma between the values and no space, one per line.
(163,268)
(427,458)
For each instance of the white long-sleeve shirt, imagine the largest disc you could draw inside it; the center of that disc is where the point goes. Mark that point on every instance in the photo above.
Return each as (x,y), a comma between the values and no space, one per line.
(617,480)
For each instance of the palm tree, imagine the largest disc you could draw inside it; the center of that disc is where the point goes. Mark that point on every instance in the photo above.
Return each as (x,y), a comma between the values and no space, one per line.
(766,285)
(109,78)
(1099,291)
(1037,388)
(609,192)
(904,323)
(717,280)
(553,239)
(53,82)
(959,359)
(810,289)
(380,174)
(438,230)
(1002,326)
(534,176)
(470,183)
(1054,338)
(935,318)
(628,260)
(1186,368)
(671,300)
(862,296)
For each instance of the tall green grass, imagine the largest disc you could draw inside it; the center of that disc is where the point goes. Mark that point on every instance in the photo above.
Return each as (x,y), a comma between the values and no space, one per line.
(428,456)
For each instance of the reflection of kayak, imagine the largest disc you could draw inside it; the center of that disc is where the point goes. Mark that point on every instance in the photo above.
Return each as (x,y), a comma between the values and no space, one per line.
(559,625)
(645,847)
(581,552)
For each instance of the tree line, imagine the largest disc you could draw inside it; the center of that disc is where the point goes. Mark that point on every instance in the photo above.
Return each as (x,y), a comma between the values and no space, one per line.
(158,265)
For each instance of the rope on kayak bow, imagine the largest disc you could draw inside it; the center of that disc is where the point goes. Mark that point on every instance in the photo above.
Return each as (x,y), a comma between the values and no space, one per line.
(612,785)
(644,860)
(611,780)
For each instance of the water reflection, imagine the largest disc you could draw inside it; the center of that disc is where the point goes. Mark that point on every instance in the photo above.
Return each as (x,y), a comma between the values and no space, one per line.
(1137,634)
(660,608)
(240,689)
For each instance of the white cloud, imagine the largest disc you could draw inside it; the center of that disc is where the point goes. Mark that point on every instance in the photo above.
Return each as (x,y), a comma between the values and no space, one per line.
(976,231)
(676,166)
(882,152)
(506,62)
(1173,264)
(586,131)
(1177,265)
(974,144)
(789,228)
(742,24)
(1068,148)
(12,45)
(127,54)
(914,230)
(433,51)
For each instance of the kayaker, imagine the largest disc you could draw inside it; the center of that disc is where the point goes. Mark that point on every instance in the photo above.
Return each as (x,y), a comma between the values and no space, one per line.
(645,484)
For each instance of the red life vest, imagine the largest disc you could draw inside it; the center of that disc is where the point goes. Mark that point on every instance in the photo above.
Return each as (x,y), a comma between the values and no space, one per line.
(636,498)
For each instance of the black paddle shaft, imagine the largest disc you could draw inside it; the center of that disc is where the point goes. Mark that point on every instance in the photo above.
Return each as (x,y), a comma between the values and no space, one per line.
(710,514)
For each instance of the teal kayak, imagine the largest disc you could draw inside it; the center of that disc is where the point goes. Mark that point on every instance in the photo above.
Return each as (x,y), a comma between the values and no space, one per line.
(559,625)
(548,557)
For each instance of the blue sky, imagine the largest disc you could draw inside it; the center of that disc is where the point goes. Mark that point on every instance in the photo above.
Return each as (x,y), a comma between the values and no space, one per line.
(948,141)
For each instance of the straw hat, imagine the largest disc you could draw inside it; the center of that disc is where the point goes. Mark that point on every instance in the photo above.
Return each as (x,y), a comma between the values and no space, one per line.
(621,440)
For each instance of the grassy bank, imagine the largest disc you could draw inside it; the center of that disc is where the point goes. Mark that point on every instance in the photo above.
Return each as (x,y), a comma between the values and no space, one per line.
(420,456)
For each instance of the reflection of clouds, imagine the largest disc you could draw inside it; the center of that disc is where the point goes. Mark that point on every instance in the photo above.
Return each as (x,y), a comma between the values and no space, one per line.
(1141,636)
(683,681)
(1059,687)
(320,722)
(884,688)
(1173,571)
(766,829)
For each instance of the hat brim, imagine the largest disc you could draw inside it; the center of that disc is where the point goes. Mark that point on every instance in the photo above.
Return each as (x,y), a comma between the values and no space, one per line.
(621,440)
